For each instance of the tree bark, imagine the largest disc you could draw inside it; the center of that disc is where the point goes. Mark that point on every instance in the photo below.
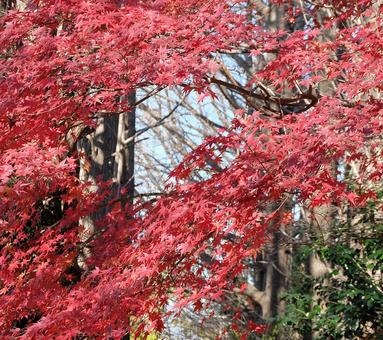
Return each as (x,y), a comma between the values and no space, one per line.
(105,155)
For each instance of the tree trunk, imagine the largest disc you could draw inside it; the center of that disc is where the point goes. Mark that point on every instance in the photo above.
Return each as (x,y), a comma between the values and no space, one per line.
(108,154)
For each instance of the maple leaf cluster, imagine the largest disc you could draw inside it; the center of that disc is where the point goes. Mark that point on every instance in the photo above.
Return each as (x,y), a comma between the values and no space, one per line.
(62,63)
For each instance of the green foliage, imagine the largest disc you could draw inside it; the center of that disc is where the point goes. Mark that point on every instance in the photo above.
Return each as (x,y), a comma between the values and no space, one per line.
(347,303)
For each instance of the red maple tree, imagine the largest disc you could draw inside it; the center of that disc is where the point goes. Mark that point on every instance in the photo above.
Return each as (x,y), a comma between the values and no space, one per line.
(63,63)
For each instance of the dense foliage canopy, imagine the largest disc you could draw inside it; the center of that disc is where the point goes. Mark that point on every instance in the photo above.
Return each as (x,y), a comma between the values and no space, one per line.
(65,63)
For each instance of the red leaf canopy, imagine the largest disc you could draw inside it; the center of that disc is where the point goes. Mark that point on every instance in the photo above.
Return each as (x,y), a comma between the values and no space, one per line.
(66,62)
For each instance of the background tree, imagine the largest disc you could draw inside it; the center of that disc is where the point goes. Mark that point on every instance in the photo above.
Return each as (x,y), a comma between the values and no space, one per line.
(277,256)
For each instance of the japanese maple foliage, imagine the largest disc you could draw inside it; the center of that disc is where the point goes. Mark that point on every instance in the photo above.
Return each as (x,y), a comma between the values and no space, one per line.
(65,62)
